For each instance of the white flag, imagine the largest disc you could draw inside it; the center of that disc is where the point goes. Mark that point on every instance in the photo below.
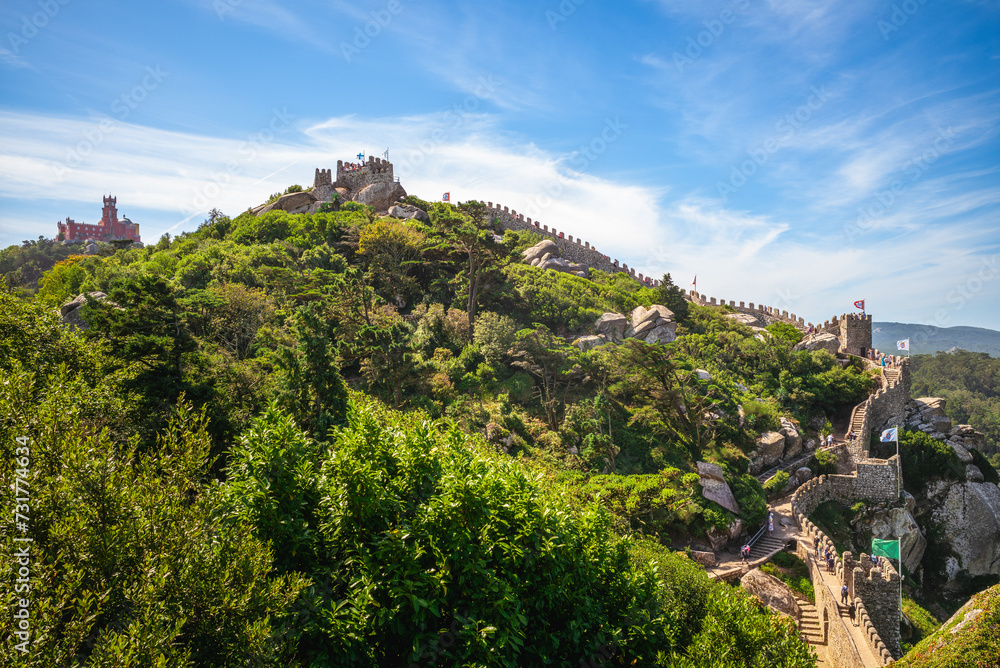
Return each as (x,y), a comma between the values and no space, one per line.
(890,435)
(903,345)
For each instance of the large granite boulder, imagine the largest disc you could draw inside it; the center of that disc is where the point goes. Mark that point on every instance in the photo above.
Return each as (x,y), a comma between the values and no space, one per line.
(408,211)
(612,325)
(585,343)
(292,202)
(793,440)
(899,523)
(380,196)
(970,518)
(715,488)
(540,249)
(745,319)
(772,592)
(770,447)
(653,325)
(664,333)
(930,407)
(827,342)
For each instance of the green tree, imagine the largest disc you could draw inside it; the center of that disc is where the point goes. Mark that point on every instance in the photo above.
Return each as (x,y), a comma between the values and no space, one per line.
(672,297)
(309,383)
(553,363)
(463,234)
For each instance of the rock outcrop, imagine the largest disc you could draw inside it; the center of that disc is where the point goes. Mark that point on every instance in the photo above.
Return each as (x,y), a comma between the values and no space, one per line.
(612,326)
(715,488)
(70,311)
(770,448)
(408,211)
(827,342)
(546,255)
(653,325)
(969,514)
(771,592)
(899,523)
(380,196)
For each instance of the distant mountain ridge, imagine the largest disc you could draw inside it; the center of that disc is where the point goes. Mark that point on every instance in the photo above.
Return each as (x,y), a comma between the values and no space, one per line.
(931,339)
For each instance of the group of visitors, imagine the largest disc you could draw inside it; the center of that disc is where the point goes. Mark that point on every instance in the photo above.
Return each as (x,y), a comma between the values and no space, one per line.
(352,167)
(881,359)
(824,553)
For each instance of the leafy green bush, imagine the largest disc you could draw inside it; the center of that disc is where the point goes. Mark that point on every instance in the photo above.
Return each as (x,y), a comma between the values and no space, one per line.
(710,615)
(794,572)
(823,462)
(785,332)
(925,458)
(761,416)
(776,483)
(428,529)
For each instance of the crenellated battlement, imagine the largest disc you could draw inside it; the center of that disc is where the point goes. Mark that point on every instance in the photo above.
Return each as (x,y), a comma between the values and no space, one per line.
(576,250)
(767,314)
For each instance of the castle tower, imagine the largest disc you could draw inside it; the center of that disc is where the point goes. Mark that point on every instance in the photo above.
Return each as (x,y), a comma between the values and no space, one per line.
(855,333)
(109,216)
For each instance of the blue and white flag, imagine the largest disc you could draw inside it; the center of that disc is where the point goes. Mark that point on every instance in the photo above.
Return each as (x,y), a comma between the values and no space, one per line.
(890,435)
(903,345)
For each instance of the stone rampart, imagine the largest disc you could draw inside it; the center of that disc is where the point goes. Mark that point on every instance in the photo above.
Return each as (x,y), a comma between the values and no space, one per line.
(840,645)
(886,407)
(877,587)
(875,480)
(767,314)
(574,250)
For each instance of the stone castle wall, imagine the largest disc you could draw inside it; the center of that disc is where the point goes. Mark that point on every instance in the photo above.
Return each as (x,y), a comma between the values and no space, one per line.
(870,588)
(840,645)
(767,314)
(574,250)
(885,408)
(375,170)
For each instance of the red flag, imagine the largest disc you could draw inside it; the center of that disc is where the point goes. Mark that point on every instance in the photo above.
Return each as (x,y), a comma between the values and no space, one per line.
(446,197)
(860,304)
(695,282)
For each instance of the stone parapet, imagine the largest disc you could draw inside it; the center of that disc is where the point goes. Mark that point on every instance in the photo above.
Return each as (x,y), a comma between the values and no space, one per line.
(575,250)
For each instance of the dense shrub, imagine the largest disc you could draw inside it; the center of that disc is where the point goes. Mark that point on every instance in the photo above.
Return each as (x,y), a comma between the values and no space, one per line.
(823,462)
(776,483)
(925,458)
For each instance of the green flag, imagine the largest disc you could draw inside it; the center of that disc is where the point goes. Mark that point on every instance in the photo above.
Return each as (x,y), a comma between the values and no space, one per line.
(885,548)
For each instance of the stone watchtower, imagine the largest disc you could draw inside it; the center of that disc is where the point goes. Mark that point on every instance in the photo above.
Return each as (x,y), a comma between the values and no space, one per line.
(878,587)
(855,334)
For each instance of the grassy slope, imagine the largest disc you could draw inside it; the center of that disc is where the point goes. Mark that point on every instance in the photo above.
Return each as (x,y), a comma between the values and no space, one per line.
(976,645)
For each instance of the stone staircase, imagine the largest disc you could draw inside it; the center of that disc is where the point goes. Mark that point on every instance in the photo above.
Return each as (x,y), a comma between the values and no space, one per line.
(809,624)
(766,546)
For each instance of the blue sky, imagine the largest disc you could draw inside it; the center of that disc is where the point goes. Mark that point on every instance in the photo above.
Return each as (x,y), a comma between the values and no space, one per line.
(797,154)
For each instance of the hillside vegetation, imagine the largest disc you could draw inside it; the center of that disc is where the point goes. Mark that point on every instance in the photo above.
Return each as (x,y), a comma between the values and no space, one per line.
(334,439)
(971,384)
